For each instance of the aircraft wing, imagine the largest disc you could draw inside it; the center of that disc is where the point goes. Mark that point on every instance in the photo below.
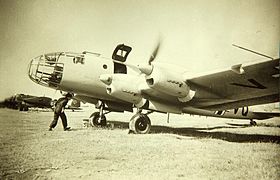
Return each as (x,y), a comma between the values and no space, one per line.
(242,85)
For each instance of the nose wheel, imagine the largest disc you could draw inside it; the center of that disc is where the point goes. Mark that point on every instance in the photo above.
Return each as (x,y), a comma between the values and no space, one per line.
(140,124)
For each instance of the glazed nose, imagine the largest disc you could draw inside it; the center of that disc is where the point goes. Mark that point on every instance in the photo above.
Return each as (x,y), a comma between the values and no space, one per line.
(46,70)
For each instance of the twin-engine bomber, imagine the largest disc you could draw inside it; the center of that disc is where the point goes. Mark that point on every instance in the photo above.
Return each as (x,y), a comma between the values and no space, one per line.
(156,87)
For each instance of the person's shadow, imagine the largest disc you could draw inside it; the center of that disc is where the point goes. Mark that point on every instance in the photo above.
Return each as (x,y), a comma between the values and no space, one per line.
(206,133)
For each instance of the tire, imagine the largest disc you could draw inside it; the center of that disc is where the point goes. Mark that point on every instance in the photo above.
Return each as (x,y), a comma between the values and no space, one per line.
(25,108)
(20,107)
(93,120)
(253,123)
(140,124)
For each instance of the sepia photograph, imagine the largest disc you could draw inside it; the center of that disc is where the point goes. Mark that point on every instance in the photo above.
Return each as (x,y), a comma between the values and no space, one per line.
(138,89)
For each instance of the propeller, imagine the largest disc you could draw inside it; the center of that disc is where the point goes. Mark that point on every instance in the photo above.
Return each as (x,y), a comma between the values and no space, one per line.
(155,52)
(148,68)
(144,68)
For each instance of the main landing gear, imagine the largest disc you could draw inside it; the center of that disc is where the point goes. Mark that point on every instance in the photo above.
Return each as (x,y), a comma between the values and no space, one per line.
(23,107)
(98,118)
(140,123)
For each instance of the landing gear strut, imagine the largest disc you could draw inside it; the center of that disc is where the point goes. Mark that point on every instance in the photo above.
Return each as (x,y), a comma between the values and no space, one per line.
(23,107)
(98,118)
(252,122)
(140,124)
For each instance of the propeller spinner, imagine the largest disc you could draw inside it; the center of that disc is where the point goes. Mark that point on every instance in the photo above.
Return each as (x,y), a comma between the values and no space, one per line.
(148,68)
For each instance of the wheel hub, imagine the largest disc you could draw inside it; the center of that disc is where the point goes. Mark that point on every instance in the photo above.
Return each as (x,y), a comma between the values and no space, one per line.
(142,124)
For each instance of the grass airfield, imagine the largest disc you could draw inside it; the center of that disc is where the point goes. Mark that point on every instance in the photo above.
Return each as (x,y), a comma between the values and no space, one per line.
(188,147)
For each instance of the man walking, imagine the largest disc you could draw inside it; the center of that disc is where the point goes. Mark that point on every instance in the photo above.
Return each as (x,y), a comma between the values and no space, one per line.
(59,112)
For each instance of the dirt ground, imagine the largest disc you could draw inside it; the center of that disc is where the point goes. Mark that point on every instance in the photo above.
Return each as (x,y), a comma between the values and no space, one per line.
(185,148)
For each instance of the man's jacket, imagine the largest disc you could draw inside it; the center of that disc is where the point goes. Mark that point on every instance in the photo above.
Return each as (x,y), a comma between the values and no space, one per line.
(60,104)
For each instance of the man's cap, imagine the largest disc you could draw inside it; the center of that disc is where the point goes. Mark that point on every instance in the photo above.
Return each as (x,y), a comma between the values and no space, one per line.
(69,95)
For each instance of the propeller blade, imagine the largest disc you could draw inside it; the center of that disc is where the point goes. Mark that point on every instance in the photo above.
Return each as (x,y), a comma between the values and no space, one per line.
(131,66)
(143,68)
(155,52)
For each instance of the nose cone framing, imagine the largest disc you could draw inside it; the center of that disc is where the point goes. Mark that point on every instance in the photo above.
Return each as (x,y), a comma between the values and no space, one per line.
(46,70)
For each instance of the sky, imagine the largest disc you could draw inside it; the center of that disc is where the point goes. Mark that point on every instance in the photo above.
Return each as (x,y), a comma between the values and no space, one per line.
(195,34)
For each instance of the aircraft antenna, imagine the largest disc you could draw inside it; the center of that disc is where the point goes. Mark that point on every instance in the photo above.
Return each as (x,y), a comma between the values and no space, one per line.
(88,52)
(252,51)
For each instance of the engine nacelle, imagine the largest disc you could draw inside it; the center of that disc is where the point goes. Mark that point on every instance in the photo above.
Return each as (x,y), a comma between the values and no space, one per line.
(170,83)
(123,87)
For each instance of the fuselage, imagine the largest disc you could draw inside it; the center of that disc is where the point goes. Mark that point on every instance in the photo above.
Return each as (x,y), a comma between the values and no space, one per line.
(81,73)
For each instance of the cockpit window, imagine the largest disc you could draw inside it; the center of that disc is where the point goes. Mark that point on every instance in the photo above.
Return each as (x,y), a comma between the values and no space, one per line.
(78,59)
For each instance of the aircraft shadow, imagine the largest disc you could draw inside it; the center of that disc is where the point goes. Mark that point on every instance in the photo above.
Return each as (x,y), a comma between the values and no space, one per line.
(259,124)
(200,133)
(227,136)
